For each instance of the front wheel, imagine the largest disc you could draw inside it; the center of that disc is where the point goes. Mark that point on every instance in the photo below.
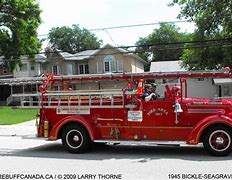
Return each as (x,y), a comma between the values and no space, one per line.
(217,141)
(75,139)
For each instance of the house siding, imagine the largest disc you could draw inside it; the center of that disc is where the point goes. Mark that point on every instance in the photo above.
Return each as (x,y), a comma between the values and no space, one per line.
(27,72)
(204,89)
(136,66)
(118,56)
(65,67)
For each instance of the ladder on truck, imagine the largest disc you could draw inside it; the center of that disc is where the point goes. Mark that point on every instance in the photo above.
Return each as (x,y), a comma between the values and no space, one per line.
(126,76)
(97,99)
(73,101)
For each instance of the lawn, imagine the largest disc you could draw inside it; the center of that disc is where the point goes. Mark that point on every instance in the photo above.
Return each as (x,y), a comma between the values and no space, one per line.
(10,115)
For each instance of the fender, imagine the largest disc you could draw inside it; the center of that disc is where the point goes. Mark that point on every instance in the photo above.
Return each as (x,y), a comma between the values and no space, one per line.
(53,135)
(197,131)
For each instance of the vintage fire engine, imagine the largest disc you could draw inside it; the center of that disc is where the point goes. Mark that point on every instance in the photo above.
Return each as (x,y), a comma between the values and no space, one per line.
(83,118)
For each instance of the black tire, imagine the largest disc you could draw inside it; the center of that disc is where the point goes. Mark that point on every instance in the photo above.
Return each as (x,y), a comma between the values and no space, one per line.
(75,139)
(218,141)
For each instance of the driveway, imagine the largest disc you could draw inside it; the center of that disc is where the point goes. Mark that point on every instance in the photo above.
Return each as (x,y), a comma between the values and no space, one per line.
(20,156)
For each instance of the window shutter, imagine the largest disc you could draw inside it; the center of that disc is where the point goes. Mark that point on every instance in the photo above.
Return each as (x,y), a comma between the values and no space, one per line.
(54,69)
(59,69)
(113,66)
(119,66)
(99,67)
(69,69)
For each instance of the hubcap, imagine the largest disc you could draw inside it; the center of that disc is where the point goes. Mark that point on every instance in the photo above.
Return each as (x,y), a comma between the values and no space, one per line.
(74,138)
(220,140)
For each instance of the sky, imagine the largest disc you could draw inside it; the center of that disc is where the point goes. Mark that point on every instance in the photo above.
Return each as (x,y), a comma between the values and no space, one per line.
(93,14)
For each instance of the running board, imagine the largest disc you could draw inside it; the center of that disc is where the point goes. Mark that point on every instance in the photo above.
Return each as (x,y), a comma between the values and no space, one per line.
(33,137)
(144,143)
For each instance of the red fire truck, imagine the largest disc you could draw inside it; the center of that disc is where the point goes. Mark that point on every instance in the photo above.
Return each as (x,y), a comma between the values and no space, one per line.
(83,118)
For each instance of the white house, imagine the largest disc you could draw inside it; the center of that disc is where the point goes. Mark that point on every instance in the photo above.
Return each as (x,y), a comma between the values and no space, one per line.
(30,68)
(197,87)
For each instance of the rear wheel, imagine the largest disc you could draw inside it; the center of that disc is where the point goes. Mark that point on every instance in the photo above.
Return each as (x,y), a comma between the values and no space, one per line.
(217,141)
(75,139)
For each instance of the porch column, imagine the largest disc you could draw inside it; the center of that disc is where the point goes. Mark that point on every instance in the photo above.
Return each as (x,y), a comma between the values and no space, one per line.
(37,89)
(11,89)
(31,88)
(23,88)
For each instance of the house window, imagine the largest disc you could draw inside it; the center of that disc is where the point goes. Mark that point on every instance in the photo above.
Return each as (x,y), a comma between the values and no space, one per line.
(4,70)
(171,81)
(86,69)
(99,67)
(71,86)
(83,69)
(109,64)
(200,79)
(226,91)
(164,81)
(69,69)
(56,69)
(57,87)
(23,67)
(32,67)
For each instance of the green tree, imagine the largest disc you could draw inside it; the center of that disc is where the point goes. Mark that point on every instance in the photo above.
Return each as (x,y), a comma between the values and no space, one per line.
(158,45)
(19,20)
(214,21)
(73,39)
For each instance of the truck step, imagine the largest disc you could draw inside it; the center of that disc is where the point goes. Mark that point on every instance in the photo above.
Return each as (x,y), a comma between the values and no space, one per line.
(143,143)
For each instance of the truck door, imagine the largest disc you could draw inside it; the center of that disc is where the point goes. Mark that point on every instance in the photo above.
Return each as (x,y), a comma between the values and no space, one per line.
(156,120)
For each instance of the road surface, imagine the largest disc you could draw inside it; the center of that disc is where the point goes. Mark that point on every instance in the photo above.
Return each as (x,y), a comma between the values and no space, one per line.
(22,158)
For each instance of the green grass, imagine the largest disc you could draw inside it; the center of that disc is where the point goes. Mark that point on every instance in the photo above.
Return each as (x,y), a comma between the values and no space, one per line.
(10,115)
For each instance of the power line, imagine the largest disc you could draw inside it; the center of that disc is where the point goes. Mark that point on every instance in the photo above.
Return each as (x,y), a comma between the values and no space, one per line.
(198,44)
(136,25)
(221,40)
(129,26)
(158,47)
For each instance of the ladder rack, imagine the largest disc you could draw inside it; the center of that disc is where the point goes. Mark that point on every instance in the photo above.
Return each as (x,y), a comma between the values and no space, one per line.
(179,74)
(73,100)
